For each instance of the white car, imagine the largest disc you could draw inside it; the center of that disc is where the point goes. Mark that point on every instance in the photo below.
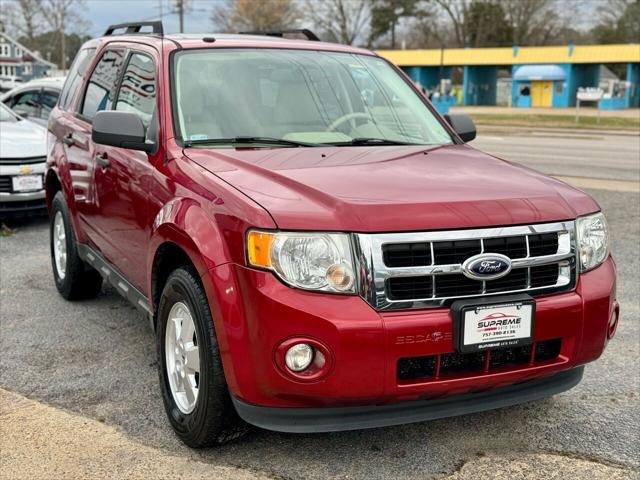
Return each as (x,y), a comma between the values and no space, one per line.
(23,157)
(34,99)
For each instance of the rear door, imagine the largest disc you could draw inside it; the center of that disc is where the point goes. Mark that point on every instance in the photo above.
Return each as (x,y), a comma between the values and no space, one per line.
(98,94)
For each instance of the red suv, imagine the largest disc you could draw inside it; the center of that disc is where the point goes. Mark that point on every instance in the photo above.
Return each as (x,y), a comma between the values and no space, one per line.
(316,247)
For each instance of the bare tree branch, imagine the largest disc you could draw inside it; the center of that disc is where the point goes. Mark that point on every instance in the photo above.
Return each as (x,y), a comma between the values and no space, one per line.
(343,21)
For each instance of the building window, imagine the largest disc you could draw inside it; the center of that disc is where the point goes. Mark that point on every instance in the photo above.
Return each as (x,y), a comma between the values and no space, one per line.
(4,49)
(27,69)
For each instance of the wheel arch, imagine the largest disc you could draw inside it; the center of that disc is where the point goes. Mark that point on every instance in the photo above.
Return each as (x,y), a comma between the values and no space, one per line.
(52,186)
(183,234)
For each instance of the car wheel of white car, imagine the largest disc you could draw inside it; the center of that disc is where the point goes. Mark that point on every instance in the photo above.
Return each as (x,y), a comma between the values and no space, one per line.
(74,279)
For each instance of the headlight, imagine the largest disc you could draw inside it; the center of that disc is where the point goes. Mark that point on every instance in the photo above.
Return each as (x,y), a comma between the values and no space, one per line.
(593,240)
(312,261)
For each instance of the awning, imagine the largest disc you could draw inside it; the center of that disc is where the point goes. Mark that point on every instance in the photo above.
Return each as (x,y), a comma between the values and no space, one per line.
(539,72)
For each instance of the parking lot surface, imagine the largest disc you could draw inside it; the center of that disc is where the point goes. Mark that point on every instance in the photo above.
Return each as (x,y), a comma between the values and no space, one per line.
(91,367)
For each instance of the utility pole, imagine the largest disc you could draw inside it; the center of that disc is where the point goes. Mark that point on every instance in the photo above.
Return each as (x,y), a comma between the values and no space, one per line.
(63,46)
(180,7)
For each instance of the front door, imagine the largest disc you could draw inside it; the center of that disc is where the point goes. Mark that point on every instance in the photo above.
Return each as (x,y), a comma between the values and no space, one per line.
(541,94)
(122,176)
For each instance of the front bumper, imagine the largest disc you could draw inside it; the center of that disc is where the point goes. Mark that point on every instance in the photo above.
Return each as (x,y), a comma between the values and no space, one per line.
(21,202)
(311,420)
(254,312)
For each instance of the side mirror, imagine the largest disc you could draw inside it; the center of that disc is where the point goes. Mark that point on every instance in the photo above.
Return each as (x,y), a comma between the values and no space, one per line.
(462,125)
(120,129)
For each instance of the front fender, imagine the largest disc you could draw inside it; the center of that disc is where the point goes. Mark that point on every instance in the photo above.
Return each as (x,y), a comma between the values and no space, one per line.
(184,222)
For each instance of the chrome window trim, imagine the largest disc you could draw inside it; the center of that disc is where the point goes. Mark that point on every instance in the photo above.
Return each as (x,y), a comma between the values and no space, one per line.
(373,272)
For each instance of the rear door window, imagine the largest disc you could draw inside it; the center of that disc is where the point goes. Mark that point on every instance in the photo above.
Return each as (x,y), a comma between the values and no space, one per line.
(74,78)
(101,86)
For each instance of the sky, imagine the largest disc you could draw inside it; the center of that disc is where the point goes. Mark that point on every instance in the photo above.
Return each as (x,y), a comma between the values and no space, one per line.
(102,13)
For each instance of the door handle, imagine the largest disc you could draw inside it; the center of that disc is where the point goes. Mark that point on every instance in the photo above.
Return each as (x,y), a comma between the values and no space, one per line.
(68,139)
(102,159)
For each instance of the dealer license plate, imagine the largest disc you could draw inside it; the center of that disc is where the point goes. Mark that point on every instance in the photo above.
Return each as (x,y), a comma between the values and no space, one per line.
(497,326)
(27,183)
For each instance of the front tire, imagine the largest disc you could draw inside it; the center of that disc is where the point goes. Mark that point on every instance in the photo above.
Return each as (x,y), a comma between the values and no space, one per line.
(192,382)
(74,279)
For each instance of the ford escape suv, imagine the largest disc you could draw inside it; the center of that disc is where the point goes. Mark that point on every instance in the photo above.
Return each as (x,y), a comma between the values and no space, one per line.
(316,248)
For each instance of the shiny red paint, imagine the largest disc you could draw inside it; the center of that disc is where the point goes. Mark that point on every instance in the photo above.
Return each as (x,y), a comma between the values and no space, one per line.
(205,200)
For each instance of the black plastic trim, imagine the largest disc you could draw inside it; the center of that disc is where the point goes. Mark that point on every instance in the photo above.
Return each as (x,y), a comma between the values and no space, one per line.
(308,420)
(136,27)
(281,33)
(115,278)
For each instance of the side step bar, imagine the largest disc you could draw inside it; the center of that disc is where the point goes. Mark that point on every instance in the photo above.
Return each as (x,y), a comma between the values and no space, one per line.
(116,279)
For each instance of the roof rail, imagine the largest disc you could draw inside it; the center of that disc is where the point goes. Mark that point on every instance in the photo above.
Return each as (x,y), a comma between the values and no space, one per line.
(281,33)
(135,27)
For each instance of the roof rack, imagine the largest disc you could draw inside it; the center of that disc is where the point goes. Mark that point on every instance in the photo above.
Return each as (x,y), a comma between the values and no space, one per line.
(281,33)
(135,27)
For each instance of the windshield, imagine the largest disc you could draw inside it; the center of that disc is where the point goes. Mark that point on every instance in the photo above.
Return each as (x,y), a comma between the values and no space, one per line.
(7,115)
(299,96)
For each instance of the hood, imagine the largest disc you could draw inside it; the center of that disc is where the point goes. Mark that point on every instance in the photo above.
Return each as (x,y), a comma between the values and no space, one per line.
(23,139)
(403,188)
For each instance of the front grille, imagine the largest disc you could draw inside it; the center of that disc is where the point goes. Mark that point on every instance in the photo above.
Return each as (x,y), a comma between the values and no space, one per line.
(450,365)
(5,184)
(22,161)
(425,269)
(407,254)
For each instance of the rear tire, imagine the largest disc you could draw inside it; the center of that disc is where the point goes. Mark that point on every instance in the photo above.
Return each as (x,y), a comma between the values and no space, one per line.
(195,393)
(74,279)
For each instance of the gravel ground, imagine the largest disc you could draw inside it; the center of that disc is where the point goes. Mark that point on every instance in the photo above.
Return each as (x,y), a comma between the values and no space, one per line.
(96,359)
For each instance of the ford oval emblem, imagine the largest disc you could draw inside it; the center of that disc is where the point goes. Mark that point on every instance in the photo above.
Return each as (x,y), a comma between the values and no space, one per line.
(486,266)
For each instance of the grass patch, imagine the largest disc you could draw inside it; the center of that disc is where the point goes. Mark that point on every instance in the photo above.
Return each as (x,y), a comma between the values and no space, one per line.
(557,121)
(6,231)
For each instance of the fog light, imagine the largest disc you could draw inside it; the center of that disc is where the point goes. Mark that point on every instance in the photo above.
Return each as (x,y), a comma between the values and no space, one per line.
(299,357)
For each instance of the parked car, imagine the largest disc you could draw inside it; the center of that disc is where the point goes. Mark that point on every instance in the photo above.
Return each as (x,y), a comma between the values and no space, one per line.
(34,99)
(9,82)
(316,247)
(23,155)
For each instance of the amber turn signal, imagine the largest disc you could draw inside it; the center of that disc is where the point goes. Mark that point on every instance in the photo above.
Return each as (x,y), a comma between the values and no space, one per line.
(259,248)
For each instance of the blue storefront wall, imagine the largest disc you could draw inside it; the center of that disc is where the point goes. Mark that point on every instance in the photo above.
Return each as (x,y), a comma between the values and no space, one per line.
(582,75)
(479,85)
(428,77)
(633,85)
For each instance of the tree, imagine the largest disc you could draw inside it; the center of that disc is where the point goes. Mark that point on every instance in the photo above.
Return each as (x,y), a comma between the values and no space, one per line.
(619,22)
(248,15)
(457,12)
(342,21)
(486,25)
(385,15)
(22,18)
(48,45)
(59,14)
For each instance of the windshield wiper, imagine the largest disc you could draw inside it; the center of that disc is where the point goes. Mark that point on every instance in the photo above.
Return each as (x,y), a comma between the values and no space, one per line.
(249,140)
(373,141)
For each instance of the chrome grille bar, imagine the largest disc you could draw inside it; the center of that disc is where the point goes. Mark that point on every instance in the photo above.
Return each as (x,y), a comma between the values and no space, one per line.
(375,274)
